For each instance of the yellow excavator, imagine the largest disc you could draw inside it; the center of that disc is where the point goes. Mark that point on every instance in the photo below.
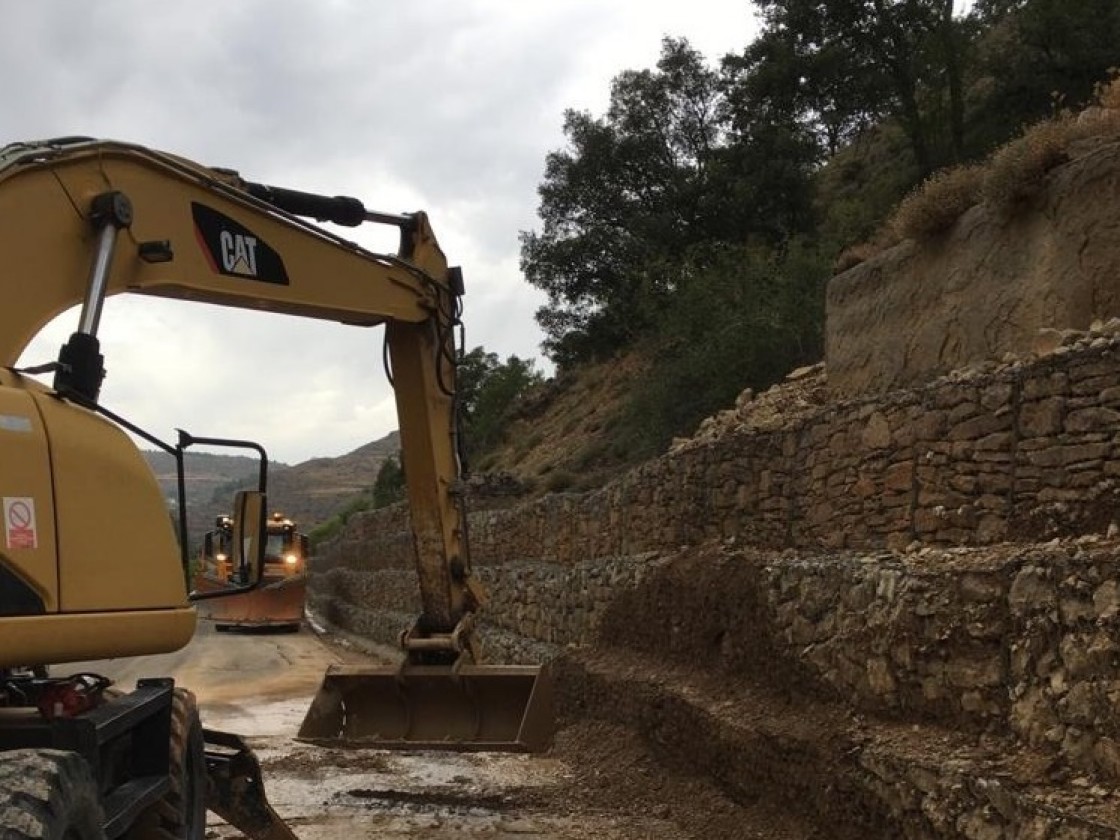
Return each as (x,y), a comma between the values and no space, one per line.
(279,600)
(82,219)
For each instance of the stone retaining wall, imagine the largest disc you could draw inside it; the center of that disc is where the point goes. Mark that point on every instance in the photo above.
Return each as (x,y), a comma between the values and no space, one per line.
(1019,640)
(1028,451)
(817,557)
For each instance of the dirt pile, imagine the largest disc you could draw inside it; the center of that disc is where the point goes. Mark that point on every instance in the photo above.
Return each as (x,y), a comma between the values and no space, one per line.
(936,693)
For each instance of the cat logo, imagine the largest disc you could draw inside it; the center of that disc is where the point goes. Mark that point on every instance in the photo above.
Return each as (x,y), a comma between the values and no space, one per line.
(239,253)
(235,251)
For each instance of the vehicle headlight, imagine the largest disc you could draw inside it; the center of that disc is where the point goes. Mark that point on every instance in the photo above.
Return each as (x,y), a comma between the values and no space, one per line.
(291,559)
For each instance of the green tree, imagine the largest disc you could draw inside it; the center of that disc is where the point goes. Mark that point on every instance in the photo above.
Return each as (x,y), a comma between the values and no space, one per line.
(1039,55)
(487,391)
(622,203)
(858,61)
(742,320)
(389,486)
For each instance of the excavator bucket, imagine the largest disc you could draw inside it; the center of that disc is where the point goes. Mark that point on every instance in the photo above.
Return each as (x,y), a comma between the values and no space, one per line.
(496,708)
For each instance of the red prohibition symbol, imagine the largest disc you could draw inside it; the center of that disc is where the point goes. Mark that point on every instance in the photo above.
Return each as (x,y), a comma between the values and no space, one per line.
(19,515)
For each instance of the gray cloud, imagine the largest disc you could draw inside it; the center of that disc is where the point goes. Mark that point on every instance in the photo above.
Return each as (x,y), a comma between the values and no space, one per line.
(443,105)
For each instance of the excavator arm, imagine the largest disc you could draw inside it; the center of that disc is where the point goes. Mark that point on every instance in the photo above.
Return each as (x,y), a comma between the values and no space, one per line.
(81,220)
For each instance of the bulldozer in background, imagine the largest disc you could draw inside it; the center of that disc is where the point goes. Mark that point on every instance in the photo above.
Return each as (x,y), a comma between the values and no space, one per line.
(80,220)
(277,603)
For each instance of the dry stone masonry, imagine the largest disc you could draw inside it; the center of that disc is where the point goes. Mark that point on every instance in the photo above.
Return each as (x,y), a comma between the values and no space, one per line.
(943,557)
(1022,451)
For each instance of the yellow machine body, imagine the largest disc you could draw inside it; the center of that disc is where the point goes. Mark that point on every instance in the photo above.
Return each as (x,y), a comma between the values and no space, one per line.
(81,220)
(69,480)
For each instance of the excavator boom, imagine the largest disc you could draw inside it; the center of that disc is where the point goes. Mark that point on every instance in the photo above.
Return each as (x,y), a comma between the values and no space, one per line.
(194,234)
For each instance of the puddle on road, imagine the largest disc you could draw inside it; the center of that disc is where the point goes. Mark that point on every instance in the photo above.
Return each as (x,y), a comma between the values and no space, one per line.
(357,793)
(324,793)
(256,717)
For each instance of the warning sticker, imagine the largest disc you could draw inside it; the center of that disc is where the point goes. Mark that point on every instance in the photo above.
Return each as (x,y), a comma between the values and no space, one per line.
(19,522)
(15,423)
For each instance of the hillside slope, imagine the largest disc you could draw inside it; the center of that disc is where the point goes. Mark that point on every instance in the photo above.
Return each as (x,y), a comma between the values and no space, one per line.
(313,491)
(892,613)
(565,434)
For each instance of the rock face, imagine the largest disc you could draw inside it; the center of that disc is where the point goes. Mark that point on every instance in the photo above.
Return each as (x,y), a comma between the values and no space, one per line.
(986,288)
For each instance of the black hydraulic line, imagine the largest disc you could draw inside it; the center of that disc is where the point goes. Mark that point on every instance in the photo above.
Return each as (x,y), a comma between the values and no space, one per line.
(181,489)
(385,359)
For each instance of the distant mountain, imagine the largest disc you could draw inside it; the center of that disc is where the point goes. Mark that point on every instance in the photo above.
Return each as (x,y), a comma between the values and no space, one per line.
(313,491)
(309,492)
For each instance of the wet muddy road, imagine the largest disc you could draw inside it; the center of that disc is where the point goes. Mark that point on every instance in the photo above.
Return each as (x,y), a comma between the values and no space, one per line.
(260,685)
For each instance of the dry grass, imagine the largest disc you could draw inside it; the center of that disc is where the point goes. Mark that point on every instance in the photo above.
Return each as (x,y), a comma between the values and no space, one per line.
(575,416)
(853,256)
(935,206)
(1018,170)
(1108,93)
(1005,182)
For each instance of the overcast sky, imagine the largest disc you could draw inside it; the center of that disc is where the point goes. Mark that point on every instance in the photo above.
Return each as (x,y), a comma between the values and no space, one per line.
(449,106)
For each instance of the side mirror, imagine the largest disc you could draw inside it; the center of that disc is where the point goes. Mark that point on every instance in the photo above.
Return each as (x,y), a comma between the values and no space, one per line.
(248,536)
(304,546)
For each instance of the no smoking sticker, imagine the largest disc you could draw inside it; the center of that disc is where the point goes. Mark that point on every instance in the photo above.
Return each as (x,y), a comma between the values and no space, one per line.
(19,522)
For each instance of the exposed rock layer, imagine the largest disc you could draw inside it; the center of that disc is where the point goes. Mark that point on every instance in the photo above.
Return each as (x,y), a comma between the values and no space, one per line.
(986,288)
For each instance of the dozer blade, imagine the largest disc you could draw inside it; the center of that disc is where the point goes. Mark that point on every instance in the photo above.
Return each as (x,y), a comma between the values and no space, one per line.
(276,603)
(496,708)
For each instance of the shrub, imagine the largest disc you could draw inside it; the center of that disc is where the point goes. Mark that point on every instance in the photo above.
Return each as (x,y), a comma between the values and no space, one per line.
(744,320)
(325,531)
(937,203)
(853,256)
(389,486)
(559,481)
(1108,93)
(1017,171)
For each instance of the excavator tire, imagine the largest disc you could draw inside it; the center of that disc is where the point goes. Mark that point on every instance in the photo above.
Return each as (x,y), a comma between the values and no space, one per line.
(48,795)
(181,814)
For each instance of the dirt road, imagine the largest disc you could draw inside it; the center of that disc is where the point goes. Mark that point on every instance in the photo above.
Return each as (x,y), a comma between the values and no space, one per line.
(260,685)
